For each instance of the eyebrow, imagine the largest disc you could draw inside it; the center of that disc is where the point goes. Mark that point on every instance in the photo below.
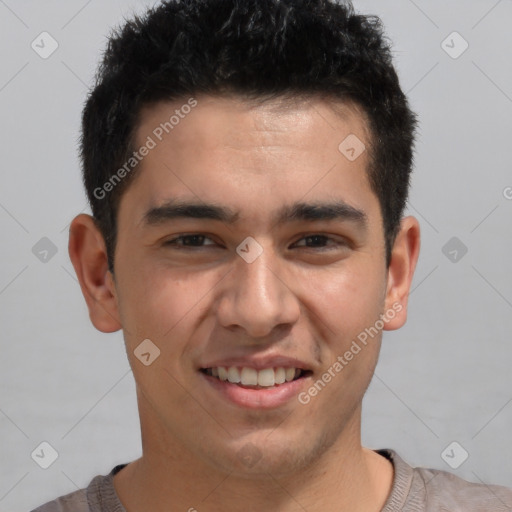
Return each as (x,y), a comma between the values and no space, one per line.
(300,211)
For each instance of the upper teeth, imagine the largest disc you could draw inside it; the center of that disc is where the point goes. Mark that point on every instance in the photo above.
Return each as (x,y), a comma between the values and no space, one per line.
(252,377)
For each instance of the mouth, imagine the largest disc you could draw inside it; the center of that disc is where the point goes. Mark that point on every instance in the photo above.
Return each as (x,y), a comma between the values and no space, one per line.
(251,378)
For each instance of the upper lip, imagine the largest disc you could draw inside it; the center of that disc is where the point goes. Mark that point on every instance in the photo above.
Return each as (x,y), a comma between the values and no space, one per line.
(258,363)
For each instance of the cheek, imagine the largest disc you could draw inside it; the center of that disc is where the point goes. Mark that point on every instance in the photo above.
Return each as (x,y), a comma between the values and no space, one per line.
(346,301)
(164,309)
(155,301)
(173,308)
(346,305)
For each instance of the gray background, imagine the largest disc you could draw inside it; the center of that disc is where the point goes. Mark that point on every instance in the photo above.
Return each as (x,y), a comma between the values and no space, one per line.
(444,377)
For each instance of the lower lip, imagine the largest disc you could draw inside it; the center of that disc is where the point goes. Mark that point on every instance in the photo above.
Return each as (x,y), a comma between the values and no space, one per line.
(257,398)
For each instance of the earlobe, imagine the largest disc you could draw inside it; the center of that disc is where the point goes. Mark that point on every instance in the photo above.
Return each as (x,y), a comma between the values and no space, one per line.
(88,254)
(404,257)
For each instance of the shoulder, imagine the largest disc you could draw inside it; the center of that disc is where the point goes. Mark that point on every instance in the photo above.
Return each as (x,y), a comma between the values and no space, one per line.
(434,490)
(447,492)
(72,502)
(99,496)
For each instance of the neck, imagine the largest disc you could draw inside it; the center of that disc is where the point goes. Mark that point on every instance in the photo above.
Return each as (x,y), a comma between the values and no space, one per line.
(346,477)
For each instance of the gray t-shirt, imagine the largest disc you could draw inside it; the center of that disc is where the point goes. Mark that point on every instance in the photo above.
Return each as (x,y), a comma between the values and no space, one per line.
(414,490)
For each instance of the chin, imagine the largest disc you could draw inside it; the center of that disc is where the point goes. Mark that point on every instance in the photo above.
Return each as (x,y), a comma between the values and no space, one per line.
(261,458)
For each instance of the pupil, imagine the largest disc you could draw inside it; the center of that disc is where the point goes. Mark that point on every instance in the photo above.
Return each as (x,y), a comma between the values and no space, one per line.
(317,238)
(195,238)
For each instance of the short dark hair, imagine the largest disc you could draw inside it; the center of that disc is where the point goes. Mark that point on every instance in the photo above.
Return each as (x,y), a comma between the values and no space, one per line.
(255,49)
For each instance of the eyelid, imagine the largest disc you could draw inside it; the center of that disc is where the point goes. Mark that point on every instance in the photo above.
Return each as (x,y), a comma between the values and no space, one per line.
(332,244)
(172,241)
(329,238)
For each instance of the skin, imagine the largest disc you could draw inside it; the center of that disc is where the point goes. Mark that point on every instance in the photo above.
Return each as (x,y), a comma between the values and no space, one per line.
(202,303)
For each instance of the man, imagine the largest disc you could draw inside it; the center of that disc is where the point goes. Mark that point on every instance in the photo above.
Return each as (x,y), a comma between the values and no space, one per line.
(247,164)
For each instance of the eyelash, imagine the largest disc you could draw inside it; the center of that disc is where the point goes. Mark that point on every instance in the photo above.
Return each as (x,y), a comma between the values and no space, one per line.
(173,242)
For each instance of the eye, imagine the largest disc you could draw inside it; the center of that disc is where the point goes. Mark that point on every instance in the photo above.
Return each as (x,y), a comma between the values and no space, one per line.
(313,241)
(192,240)
(318,242)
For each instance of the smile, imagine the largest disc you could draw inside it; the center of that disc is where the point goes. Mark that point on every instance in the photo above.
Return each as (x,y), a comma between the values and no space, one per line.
(250,388)
(250,377)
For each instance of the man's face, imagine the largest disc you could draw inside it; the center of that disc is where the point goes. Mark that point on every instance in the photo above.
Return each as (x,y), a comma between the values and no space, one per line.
(316,286)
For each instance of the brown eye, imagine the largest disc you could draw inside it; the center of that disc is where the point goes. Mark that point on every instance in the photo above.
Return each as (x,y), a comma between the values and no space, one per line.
(193,240)
(317,241)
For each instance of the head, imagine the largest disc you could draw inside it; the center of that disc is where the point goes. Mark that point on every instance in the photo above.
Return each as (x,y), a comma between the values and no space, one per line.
(243,109)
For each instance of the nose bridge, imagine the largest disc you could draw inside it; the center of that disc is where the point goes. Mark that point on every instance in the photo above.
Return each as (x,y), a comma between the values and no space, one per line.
(258,298)
(258,280)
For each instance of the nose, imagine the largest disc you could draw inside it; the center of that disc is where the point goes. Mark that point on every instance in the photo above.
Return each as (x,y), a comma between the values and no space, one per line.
(258,298)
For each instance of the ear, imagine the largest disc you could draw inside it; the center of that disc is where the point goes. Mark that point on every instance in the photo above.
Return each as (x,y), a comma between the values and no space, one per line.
(404,257)
(88,254)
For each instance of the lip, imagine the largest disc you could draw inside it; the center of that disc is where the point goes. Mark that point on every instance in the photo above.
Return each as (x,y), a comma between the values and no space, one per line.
(270,398)
(258,363)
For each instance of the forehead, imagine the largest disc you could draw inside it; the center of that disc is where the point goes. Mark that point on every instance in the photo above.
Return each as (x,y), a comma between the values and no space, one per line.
(233,151)
(241,122)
